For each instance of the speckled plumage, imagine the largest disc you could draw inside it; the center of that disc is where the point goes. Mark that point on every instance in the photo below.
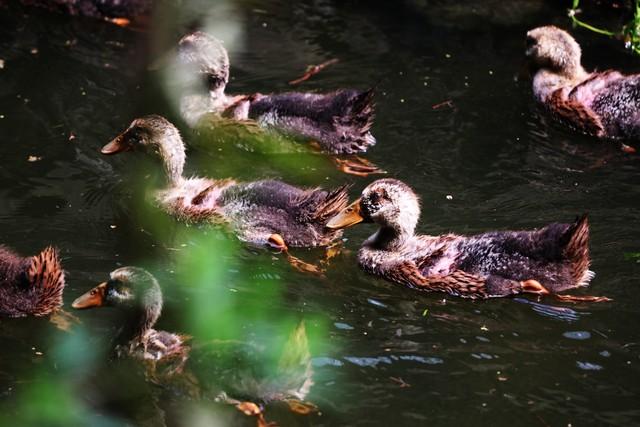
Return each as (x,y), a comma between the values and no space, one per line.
(604,104)
(493,264)
(255,210)
(339,121)
(31,285)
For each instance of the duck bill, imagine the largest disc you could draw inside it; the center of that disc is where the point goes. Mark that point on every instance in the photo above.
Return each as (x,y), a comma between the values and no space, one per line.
(347,217)
(93,298)
(118,145)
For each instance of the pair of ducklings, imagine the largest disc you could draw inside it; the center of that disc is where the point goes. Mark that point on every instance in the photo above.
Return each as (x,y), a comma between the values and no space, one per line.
(275,214)
(605,104)
(34,286)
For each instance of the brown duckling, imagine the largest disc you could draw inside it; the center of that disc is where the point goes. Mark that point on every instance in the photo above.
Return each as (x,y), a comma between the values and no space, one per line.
(30,286)
(339,121)
(138,291)
(494,264)
(170,359)
(605,104)
(264,213)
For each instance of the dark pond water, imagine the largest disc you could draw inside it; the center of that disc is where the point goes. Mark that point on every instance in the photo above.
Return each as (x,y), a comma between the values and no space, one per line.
(69,85)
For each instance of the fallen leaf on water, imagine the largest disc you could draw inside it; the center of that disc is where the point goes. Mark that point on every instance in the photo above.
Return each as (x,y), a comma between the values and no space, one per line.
(402,383)
(425,313)
(300,407)
(627,149)
(121,22)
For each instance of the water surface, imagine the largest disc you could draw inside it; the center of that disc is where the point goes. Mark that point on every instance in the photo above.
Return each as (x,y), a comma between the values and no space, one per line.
(486,159)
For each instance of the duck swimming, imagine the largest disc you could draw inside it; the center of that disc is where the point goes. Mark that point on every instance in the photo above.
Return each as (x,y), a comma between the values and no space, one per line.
(170,356)
(494,264)
(605,104)
(30,286)
(339,121)
(264,213)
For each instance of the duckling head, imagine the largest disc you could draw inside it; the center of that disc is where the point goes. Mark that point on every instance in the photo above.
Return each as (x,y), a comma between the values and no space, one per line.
(129,288)
(388,202)
(555,49)
(203,55)
(156,134)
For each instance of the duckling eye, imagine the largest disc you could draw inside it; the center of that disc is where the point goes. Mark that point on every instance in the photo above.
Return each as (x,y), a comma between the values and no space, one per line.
(213,81)
(531,41)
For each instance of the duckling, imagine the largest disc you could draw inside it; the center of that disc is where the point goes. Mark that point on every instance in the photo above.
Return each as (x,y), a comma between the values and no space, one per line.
(339,121)
(605,104)
(30,286)
(494,264)
(264,213)
(170,356)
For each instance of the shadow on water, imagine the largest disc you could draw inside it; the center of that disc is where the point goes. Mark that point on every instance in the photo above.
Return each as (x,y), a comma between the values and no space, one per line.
(455,120)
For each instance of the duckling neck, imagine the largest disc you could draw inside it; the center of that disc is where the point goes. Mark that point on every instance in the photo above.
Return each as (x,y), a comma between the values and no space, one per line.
(171,150)
(546,81)
(390,237)
(139,322)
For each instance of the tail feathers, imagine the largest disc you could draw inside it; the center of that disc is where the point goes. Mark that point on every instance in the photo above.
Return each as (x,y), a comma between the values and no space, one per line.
(576,251)
(321,205)
(294,368)
(355,122)
(361,110)
(46,279)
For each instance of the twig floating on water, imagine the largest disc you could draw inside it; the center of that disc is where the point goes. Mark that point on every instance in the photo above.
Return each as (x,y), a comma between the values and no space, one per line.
(313,70)
(447,103)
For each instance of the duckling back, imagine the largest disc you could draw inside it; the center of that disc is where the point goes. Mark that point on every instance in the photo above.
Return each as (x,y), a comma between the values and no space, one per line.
(30,286)
(618,105)
(340,121)
(299,215)
(556,255)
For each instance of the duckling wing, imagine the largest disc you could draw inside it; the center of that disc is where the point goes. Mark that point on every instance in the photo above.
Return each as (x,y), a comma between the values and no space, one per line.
(457,282)
(616,100)
(575,113)
(556,255)
(269,206)
(340,121)
(246,371)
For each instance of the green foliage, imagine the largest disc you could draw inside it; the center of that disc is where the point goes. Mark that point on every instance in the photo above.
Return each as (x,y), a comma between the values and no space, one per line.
(630,32)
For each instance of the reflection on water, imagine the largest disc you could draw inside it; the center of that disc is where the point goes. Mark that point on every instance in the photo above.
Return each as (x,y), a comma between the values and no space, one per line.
(455,120)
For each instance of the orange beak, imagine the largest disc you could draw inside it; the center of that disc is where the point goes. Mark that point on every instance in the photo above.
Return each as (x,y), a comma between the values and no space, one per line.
(347,217)
(118,145)
(93,298)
